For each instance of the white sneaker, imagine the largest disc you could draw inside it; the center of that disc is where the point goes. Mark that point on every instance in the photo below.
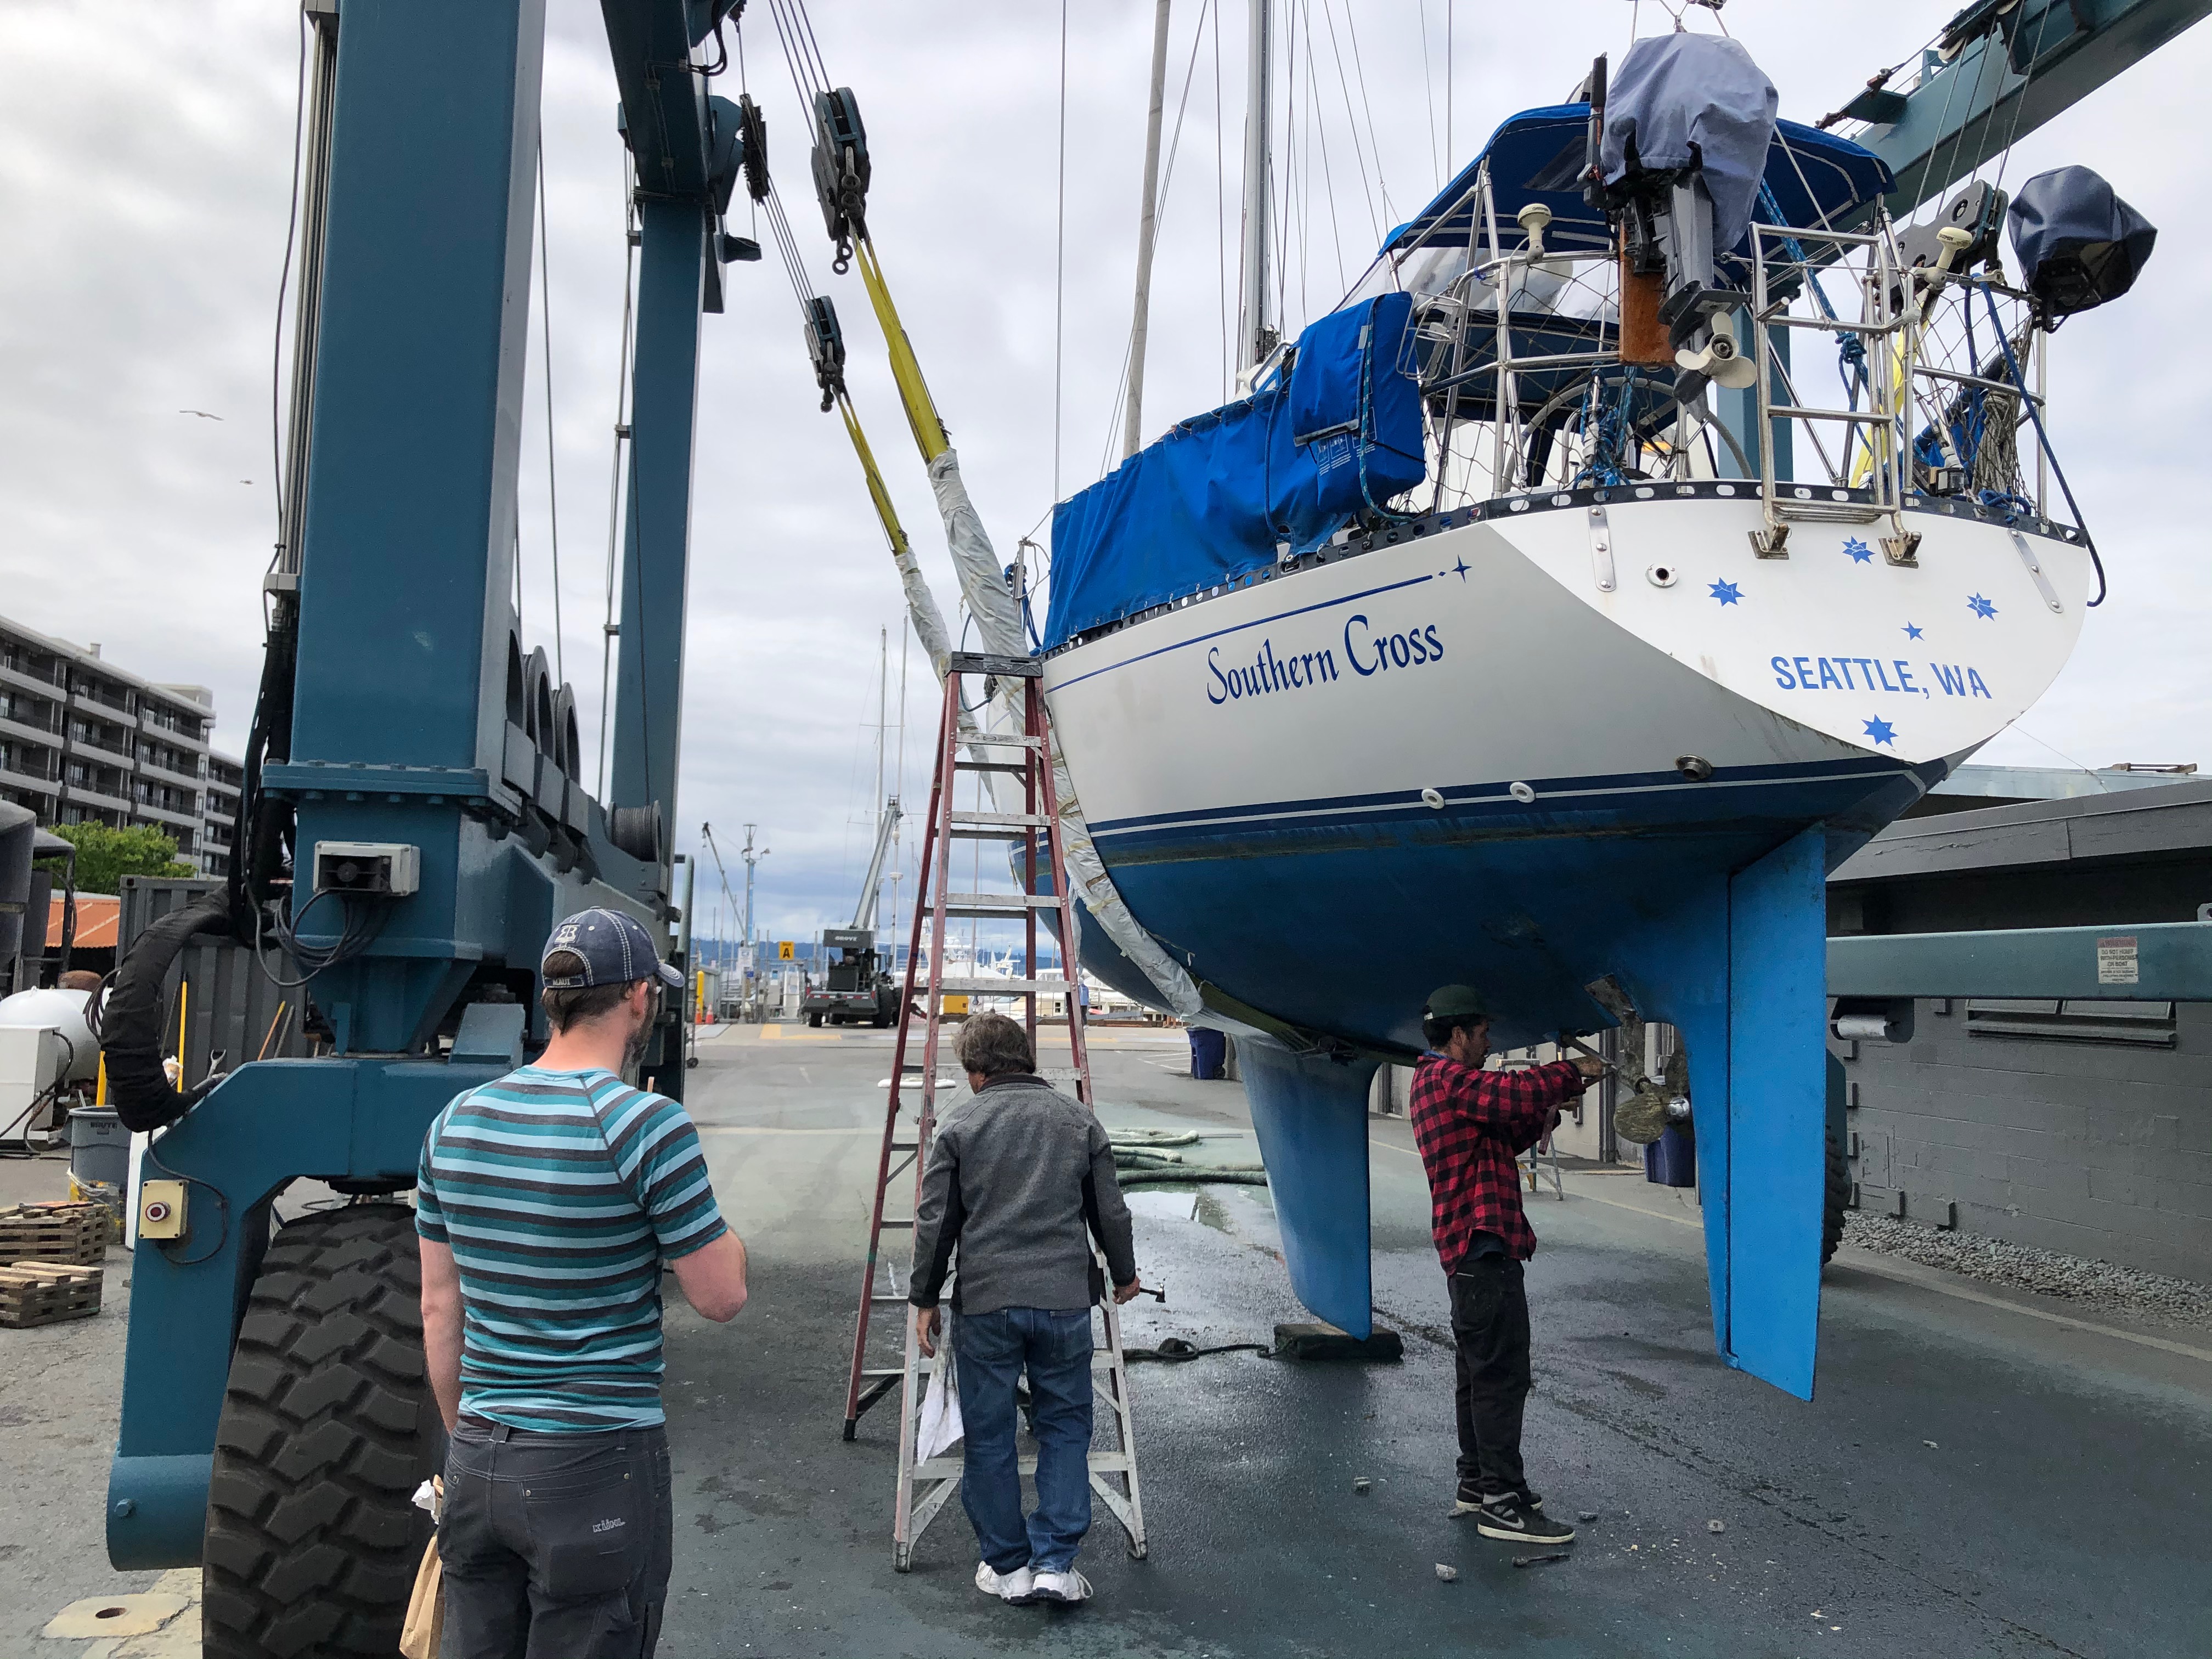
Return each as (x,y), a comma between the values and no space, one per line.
(1066,1588)
(1007,1586)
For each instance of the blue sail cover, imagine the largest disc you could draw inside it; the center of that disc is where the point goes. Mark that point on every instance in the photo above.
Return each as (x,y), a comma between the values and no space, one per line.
(1213,499)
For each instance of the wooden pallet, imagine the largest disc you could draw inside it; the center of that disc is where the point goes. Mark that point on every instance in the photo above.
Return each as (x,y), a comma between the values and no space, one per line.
(46,1292)
(73,1234)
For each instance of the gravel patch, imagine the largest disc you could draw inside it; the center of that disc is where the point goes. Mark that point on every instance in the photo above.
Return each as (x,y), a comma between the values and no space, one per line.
(2101,1286)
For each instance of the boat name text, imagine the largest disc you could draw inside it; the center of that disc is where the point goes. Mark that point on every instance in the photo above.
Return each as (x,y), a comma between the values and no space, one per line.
(1368,652)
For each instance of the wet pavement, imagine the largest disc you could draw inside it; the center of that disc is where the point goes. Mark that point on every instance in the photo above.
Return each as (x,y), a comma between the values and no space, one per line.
(1979,1475)
(1984,1472)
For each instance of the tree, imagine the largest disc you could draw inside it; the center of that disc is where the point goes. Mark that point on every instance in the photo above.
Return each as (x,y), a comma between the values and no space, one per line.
(105,856)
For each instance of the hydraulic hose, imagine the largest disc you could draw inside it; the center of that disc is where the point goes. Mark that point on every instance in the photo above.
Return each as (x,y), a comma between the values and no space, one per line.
(133,1019)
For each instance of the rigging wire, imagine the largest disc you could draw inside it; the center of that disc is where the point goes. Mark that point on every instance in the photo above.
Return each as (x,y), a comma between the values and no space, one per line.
(1059,260)
(283,283)
(1159,218)
(1367,107)
(1220,209)
(1351,120)
(1429,91)
(1321,130)
(552,480)
(607,629)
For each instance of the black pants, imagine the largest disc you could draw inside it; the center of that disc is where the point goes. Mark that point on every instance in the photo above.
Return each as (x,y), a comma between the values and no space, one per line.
(554,1546)
(1490,1325)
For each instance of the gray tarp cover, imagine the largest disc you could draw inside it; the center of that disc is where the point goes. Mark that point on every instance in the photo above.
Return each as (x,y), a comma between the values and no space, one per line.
(2079,245)
(1685,98)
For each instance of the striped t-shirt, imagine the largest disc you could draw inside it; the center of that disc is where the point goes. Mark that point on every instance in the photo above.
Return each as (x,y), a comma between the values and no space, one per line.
(560,1194)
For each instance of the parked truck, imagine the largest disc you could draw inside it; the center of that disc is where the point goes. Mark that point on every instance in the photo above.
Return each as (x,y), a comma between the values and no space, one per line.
(852,980)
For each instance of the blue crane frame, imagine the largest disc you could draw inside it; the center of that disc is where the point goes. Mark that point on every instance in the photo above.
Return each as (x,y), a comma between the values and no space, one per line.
(407,723)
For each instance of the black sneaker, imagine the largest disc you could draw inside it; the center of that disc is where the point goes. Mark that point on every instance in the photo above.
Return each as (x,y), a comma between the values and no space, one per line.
(1470,1500)
(1509,1519)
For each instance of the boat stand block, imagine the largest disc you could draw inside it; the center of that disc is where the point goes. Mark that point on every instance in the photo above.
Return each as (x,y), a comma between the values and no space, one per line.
(1317,1341)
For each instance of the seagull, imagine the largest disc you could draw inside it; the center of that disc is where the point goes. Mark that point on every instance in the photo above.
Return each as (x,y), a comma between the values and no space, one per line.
(201,413)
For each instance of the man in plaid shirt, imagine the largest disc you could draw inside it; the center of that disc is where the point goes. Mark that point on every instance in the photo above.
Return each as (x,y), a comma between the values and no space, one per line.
(1471,1126)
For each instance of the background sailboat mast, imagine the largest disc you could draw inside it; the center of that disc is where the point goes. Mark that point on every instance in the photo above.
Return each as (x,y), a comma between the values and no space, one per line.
(1132,426)
(1256,338)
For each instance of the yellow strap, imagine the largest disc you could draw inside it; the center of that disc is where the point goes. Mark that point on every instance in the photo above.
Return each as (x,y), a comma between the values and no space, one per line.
(920,412)
(893,530)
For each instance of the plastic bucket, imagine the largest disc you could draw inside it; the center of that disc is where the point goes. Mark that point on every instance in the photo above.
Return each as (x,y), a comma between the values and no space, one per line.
(1209,1050)
(1671,1160)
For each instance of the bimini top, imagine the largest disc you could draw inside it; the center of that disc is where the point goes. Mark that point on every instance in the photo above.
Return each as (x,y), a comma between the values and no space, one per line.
(1817,180)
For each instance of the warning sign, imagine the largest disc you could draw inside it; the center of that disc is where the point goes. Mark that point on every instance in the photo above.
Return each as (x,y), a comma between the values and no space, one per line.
(2116,963)
(784,951)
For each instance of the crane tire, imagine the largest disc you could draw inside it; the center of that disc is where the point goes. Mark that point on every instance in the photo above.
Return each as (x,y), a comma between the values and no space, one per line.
(328,1427)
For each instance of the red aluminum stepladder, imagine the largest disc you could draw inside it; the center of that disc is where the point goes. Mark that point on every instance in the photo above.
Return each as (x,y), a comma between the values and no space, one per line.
(924,1485)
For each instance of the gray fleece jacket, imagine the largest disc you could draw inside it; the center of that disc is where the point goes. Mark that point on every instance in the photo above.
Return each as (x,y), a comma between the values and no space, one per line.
(1020,1177)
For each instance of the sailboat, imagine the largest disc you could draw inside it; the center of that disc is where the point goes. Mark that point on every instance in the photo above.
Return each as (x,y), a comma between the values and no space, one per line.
(1541,620)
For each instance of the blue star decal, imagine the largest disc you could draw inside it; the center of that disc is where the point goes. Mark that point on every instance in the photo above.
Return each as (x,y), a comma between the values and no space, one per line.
(1461,568)
(1859,550)
(1726,592)
(1880,731)
(1911,632)
(1981,607)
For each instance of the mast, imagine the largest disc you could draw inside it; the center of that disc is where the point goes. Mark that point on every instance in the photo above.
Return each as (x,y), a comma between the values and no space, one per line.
(1255,335)
(1133,430)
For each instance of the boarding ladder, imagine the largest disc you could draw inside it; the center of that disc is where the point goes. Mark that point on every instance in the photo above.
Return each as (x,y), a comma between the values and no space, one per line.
(910,1113)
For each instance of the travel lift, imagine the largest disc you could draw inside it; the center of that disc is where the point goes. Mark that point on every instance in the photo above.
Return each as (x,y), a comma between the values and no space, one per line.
(925,1481)
(415,810)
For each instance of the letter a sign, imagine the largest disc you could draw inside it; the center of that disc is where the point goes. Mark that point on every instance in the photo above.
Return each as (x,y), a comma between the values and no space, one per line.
(784,953)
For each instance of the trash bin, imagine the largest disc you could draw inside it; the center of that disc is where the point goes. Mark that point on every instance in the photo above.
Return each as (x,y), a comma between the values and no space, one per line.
(1672,1160)
(99,1149)
(1208,1050)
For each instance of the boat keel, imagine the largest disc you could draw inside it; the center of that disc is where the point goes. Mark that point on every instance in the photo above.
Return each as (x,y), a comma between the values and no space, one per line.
(1738,966)
(1310,1113)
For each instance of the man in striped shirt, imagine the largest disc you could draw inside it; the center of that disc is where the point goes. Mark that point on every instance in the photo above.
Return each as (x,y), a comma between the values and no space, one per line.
(546,1203)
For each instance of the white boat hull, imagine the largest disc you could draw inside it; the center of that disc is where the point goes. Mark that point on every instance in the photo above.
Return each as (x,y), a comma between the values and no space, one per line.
(1459,757)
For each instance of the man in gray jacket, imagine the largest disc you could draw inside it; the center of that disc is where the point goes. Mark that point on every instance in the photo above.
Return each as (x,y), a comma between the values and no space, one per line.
(1021,1177)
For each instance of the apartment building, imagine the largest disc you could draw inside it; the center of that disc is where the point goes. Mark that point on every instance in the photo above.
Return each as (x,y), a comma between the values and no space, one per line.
(81,740)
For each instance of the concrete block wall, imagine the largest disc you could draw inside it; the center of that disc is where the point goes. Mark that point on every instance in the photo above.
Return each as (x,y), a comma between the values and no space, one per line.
(2097,1150)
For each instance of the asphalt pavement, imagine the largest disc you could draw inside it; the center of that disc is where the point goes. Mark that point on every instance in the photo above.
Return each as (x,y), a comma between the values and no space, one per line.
(1982,1472)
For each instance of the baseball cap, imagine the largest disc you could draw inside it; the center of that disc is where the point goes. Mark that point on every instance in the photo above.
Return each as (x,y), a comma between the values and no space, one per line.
(615,948)
(1456,1002)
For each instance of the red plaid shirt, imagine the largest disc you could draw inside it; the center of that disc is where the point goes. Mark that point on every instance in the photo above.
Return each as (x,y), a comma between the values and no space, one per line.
(1470,1125)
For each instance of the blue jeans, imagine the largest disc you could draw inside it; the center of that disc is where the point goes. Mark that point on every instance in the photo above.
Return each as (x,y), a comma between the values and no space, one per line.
(992,1349)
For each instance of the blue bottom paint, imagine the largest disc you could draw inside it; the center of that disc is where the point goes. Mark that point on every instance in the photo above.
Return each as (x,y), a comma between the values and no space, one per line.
(1310,1114)
(1708,905)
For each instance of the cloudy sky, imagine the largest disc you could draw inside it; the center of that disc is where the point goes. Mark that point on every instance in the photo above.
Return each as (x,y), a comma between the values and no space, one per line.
(144,171)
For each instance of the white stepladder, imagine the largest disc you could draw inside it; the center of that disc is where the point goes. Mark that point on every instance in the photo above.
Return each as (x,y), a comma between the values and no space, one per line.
(924,1485)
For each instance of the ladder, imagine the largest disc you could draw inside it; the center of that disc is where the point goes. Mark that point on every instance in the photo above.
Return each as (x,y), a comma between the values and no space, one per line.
(910,1113)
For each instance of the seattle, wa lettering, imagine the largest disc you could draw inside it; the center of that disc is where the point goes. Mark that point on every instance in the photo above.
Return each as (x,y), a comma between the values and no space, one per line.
(1873,674)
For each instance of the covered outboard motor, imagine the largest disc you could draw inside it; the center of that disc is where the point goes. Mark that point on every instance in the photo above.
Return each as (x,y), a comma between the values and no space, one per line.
(1687,121)
(2078,244)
